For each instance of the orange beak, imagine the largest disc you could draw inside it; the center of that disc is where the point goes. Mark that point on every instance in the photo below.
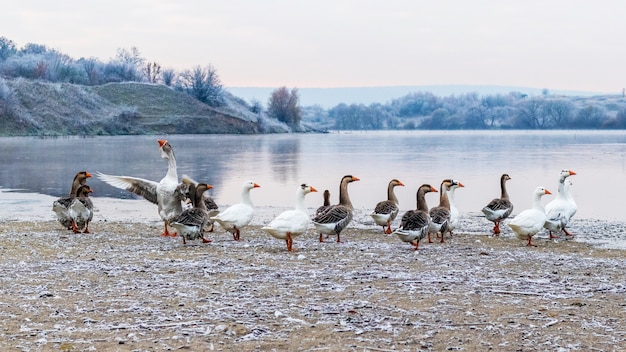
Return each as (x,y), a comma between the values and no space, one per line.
(548,192)
(433,189)
(87,174)
(313,189)
(461,185)
(161,142)
(256,186)
(572,172)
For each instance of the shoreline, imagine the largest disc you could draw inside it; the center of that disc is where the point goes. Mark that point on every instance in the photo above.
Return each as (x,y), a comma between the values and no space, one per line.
(125,287)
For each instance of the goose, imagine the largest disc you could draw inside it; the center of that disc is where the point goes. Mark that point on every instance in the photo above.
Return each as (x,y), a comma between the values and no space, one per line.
(322,208)
(168,194)
(530,221)
(560,210)
(191,222)
(212,208)
(338,216)
(415,223)
(454,211)
(81,209)
(387,210)
(61,205)
(499,208)
(440,215)
(291,223)
(239,215)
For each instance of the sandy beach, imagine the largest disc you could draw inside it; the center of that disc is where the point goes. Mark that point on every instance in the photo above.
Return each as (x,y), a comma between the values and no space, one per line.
(124,288)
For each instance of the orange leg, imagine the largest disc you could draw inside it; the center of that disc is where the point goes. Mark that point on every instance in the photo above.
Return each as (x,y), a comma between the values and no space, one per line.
(75,227)
(236,233)
(388,229)
(496,228)
(416,244)
(86,228)
(289,241)
(321,237)
(429,240)
(442,236)
(338,239)
(567,233)
(166,233)
(552,236)
(205,240)
(530,244)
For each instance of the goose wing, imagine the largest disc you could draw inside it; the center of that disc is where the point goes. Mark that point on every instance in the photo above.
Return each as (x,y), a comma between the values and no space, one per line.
(136,185)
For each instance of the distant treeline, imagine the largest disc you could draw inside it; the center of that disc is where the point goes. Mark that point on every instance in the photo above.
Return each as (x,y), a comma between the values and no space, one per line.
(423,110)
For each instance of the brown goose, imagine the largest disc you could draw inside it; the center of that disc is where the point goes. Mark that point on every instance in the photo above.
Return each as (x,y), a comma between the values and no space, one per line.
(61,205)
(440,215)
(326,204)
(81,210)
(338,216)
(415,223)
(387,210)
(499,208)
(167,194)
(191,222)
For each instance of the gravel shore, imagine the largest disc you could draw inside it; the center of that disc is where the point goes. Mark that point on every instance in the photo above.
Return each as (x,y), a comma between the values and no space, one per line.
(124,288)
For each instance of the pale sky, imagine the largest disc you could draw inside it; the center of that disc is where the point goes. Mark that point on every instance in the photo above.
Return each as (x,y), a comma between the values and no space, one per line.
(558,45)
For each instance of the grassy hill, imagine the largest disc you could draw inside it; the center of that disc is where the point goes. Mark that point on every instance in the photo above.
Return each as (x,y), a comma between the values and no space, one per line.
(53,109)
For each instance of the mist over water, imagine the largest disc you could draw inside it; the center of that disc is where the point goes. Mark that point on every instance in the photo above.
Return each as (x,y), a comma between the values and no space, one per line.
(279,163)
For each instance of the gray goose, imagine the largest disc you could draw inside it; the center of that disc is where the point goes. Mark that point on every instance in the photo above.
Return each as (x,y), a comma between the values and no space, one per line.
(168,194)
(415,223)
(212,208)
(499,208)
(440,215)
(387,210)
(61,205)
(191,222)
(81,210)
(338,216)
(322,208)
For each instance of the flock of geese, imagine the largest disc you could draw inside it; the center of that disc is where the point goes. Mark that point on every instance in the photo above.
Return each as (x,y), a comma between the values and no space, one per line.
(184,207)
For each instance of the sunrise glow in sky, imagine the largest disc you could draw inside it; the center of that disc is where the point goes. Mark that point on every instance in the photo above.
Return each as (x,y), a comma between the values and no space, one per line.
(569,45)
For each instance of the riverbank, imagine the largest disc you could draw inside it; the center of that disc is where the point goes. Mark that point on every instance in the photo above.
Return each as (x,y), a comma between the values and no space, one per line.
(126,288)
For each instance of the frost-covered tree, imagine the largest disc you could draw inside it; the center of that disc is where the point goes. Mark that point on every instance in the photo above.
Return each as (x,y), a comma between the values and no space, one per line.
(204,84)
(283,106)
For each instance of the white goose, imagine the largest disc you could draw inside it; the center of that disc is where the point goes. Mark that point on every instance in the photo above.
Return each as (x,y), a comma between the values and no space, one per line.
(560,210)
(167,194)
(415,223)
(387,210)
(454,211)
(338,216)
(291,223)
(499,208)
(239,215)
(527,223)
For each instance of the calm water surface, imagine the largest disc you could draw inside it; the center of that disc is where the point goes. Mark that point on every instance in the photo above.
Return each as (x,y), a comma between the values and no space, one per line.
(281,162)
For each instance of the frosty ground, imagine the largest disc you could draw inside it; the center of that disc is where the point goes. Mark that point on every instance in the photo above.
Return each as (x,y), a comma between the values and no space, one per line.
(126,288)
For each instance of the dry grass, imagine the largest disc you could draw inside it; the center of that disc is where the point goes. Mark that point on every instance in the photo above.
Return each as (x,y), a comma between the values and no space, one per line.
(125,288)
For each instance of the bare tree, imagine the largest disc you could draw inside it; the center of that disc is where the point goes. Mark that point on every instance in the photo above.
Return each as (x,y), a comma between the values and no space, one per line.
(152,71)
(204,84)
(168,76)
(283,106)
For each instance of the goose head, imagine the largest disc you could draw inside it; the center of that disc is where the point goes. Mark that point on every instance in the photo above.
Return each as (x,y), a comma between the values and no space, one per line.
(305,189)
(166,149)
(565,173)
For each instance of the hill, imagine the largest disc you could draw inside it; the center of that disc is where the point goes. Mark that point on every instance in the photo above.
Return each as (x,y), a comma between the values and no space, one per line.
(49,109)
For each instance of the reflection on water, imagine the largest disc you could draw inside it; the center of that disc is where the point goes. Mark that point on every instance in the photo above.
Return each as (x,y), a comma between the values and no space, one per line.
(279,163)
